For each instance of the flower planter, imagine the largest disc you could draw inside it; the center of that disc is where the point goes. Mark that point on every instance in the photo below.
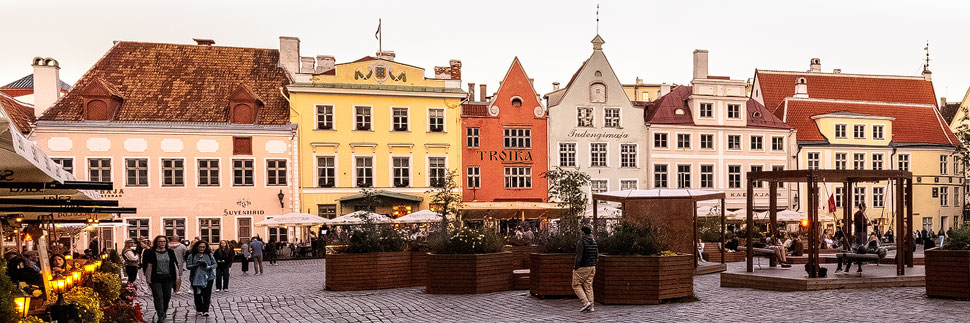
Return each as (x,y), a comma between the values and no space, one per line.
(469,274)
(520,255)
(419,268)
(551,274)
(948,273)
(366,271)
(643,279)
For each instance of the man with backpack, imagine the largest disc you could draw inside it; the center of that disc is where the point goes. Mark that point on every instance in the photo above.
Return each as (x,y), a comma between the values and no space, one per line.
(585,269)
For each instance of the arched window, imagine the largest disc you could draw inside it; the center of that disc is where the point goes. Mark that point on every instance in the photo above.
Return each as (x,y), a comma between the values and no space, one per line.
(598,74)
(517,102)
(243,113)
(597,93)
(98,110)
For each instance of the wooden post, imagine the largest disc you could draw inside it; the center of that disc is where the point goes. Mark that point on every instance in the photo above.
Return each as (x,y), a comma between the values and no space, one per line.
(596,216)
(901,248)
(773,208)
(749,221)
(723,229)
(696,252)
(847,211)
(812,226)
(909,222)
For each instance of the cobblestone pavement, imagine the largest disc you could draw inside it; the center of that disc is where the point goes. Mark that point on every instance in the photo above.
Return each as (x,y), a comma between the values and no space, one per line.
(293,292)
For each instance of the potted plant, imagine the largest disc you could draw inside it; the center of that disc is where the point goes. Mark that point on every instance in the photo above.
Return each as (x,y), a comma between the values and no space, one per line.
(551,268)
(634,269)
(374,257)
(468,261)
(948,267)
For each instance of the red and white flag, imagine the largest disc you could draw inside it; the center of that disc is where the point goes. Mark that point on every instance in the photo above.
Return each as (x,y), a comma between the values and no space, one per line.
(832,203)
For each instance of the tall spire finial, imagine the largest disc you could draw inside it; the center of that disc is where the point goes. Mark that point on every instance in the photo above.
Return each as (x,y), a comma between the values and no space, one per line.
(597,19)
(926,66)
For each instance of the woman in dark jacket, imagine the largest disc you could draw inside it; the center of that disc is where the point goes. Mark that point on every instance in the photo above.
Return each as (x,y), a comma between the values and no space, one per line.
(161,272)
(223,261)
(271,251)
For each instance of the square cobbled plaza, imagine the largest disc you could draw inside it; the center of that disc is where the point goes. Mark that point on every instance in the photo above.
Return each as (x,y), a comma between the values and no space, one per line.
(293,291)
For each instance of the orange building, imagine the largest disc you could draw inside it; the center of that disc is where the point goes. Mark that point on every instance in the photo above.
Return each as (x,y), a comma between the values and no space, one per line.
(504,154)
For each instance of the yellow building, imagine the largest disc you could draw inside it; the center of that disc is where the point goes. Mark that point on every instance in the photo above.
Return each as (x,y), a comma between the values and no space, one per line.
(372,123)
(645,92)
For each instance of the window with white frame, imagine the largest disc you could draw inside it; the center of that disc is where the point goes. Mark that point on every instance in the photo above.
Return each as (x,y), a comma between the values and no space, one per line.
(518,138)
(734,176)
(278,233)
(584,117)
(734,142)
(362,117)
(840,131)
(597,155)
(99,169)
(841,160)
(956,165)
(859,161)
(779,168)
(757,168)
(66,163)
(707,110)
(628,184)
(859,131)
(683,141)
(956,196)
(173,172)
(400,119)
(242,172)
(326,171)
(138,228)
(813,160)
(943,163)
(598,186)
(944,197)
(877,132)
(660,140)
(436,120)
(325,117)
(209,230)
(472,139)
(734,111)
(437,171)
(707,176)
(208,172)
(858,196)
(518,177)
(364,166)
(474,177)
(174,227)
(877,161)
(839,196)
(136,172)
(660,176)
(777,143)
(401,167)
(567,154)
(707,141)
(683,176)
(628,155)
(611,117)
(275,172)
(878,196)
(903,161)
(757,143)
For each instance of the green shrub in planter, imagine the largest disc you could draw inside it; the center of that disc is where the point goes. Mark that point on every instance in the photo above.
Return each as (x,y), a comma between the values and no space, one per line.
(466,241)
(375,238)
(958,240)
(630,238)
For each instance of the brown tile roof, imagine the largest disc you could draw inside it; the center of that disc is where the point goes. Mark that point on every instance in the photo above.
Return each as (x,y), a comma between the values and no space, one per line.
(913,124)
(181,83)
(778,85)
(949,111)
(20,113)
(662,111)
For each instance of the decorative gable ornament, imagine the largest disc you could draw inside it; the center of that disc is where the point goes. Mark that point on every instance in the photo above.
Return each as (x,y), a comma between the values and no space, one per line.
(538,111)
(493,110)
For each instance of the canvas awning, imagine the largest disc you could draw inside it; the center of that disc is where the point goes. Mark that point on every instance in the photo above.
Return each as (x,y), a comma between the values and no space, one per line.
(384,194)
(357,217)
(510,210)
(292,219)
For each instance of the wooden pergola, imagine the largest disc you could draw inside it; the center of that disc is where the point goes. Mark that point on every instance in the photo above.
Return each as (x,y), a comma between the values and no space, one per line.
(624,197)
(904,207)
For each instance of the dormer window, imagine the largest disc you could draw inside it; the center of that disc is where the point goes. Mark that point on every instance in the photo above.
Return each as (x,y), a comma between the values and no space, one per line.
(243,105)
(100,101)
(597,93)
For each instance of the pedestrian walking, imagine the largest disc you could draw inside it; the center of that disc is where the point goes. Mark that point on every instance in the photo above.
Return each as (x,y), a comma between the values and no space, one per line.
(131,261)
(162,274)
(256,248)
(203,272)
(246,254)
(271,251)
(224,261)
(180,251)
(585,269)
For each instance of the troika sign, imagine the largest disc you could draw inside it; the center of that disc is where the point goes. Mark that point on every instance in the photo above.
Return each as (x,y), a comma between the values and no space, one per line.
(505,155)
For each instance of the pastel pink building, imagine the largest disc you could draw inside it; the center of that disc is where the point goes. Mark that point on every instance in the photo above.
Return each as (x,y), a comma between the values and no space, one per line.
(196,137)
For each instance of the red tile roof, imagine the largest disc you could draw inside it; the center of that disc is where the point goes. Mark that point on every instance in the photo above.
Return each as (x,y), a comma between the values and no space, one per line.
(777,85)
(913,124)
(181,83)
(662,111)
(20,113)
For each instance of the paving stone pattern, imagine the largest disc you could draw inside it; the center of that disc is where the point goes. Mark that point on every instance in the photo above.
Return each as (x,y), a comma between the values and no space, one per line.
(293,291)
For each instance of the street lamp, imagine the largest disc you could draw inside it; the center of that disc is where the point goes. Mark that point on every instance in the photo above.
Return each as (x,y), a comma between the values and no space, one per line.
(280,196)
(23,305)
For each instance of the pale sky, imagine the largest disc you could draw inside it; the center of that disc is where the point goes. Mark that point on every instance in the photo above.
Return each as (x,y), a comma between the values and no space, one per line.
(652,40)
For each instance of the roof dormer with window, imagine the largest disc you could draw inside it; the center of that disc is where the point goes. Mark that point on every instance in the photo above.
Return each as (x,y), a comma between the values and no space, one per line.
(100,101)
(243,105)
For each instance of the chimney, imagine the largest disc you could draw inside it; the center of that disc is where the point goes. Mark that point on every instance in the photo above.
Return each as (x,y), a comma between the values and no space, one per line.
(837,71)
(47,81)
(386,55)
(532,82)
(471,91)
(482,90)
(700,64)
(942,102)
(664,89)
(306,65)
(290,54)
(815,65)
(927,75)
(639,81)
(555,86)
(801,88)
(204,42)
(324,63)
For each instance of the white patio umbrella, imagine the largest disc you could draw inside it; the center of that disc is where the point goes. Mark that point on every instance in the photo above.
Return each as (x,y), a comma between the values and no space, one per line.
(604,211)
(423,216)
(293,219)
(357,217)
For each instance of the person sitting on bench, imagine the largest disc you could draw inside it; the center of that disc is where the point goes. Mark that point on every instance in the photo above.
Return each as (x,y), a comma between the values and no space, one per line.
(871,247)
(775,244)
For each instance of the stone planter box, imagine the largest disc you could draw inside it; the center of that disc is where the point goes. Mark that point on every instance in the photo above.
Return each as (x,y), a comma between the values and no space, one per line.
(643,279)
(367,271)
(419,268)
(948,273)
(551,274)
(469,274)
(520,255)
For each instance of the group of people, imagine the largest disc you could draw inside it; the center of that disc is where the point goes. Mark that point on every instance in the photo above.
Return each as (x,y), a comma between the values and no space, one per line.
(930,239)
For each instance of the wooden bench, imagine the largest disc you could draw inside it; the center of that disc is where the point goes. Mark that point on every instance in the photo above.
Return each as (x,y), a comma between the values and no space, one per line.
(763,253)
(861,258)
